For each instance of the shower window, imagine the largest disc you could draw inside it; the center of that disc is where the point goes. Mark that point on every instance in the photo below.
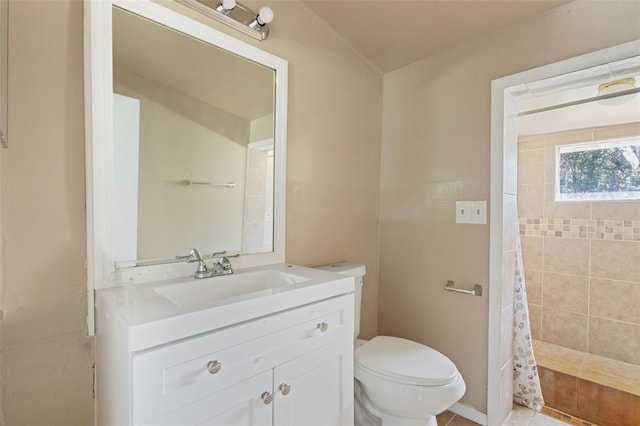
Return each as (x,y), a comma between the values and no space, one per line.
(602,171)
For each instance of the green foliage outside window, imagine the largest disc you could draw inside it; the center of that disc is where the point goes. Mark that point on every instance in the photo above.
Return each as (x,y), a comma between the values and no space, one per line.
(603,173)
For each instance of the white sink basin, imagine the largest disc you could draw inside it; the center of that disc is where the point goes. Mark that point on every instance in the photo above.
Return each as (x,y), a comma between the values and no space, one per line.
(162,311)
(227,287)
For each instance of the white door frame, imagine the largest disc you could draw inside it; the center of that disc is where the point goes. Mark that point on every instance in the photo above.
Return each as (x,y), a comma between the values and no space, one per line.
(498,179)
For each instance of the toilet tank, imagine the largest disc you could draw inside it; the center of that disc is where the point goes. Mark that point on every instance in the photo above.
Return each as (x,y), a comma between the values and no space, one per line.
(356,270)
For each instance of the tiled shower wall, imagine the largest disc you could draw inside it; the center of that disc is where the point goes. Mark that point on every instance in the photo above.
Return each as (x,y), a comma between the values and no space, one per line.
(581,259)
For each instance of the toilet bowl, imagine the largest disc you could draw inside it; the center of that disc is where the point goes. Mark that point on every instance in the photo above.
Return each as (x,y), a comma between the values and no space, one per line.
(398,382)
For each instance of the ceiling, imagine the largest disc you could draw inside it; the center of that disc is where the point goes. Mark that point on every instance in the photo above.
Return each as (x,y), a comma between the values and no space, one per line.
(393,33)
(192,68)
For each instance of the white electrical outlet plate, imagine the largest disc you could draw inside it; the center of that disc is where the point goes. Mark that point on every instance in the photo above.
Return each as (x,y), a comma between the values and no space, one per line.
(478,212)
(463,211)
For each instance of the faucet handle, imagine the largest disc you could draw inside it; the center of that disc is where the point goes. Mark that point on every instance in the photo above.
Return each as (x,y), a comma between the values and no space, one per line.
(194,256)
(218,254)
(223,254)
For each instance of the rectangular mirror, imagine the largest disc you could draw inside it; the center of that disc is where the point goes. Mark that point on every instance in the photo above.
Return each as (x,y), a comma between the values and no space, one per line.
(186,144)
(193,146)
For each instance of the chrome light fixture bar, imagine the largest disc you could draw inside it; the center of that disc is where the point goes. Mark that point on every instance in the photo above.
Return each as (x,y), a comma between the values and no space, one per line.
(235,15)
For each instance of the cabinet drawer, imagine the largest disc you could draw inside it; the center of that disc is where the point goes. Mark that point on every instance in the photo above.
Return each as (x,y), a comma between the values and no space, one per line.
(173,376)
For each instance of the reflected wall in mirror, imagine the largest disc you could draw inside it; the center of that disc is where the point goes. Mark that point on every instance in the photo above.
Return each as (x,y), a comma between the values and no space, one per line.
(193,145)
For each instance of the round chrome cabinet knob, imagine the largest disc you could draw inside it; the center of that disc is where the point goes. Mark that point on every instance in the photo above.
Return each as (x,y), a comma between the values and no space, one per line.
(323,326)
(214,366)
(285,388)
(267,397)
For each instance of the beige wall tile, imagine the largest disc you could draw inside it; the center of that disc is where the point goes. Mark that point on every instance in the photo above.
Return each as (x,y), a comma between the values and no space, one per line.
(616,300)
(628,210)
(616,260)
(568,292)
(533,281)
(535,320)
(526,143)
(507,336)
(564,209)
(508,277)
(532,252)
(614,339)
(612,132)
(569,137)
(549,172)
(531,201)
(510,163)
(531,167)
(568,329)
(567,256)
(510,222)
(506,396)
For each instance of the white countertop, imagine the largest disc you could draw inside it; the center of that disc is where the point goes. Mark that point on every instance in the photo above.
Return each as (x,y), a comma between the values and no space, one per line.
(151,319)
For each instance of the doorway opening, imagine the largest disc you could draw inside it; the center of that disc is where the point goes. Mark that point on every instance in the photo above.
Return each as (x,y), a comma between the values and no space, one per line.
(520,93)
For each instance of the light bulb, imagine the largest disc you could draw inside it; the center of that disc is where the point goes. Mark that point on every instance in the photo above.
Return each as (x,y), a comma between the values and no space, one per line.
(265,16)
(226,6)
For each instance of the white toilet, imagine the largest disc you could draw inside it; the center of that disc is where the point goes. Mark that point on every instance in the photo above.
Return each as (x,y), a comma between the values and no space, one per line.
(398,382)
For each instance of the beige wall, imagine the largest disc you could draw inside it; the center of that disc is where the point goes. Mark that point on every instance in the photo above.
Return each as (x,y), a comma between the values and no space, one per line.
(332,202)
(46,357)
(580,258)
(435,150)
(173,218)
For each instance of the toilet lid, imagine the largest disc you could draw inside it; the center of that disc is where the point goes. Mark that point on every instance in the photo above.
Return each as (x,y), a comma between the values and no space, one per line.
(405,361)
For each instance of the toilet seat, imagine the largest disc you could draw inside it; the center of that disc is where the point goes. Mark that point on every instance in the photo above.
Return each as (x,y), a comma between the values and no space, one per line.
(405,361)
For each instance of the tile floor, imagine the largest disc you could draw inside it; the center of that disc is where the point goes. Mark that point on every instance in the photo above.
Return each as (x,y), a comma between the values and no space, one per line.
(520,416)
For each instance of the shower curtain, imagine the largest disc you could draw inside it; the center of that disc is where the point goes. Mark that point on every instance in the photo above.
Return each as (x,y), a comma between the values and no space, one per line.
(526,382)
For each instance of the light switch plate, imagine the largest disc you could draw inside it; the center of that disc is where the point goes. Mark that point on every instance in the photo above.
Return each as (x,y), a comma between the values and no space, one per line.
(478,212)
(463,211)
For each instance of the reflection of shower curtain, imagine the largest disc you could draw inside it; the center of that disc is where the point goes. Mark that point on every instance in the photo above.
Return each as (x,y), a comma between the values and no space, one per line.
(526,382)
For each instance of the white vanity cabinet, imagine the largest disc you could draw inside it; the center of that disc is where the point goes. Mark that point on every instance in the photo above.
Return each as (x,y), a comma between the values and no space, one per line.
(293,367)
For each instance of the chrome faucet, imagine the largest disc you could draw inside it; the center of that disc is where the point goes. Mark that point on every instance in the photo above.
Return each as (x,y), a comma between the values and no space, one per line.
(222,265)
(194,256)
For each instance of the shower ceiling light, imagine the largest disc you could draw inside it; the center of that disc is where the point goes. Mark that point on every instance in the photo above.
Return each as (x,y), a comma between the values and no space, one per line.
(235,15)
(614,87)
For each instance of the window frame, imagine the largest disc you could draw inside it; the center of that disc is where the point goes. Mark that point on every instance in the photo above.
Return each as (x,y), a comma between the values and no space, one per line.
(592,146)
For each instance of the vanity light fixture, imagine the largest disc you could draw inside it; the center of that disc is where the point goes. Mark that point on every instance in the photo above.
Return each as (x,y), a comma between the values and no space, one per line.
(235,15)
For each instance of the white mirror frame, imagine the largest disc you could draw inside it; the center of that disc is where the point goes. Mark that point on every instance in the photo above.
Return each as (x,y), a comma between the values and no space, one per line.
(101,271)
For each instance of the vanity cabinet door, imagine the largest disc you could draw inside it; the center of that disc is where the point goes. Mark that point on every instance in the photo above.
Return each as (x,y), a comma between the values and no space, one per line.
(172,377)
(316,389)
(248,403)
